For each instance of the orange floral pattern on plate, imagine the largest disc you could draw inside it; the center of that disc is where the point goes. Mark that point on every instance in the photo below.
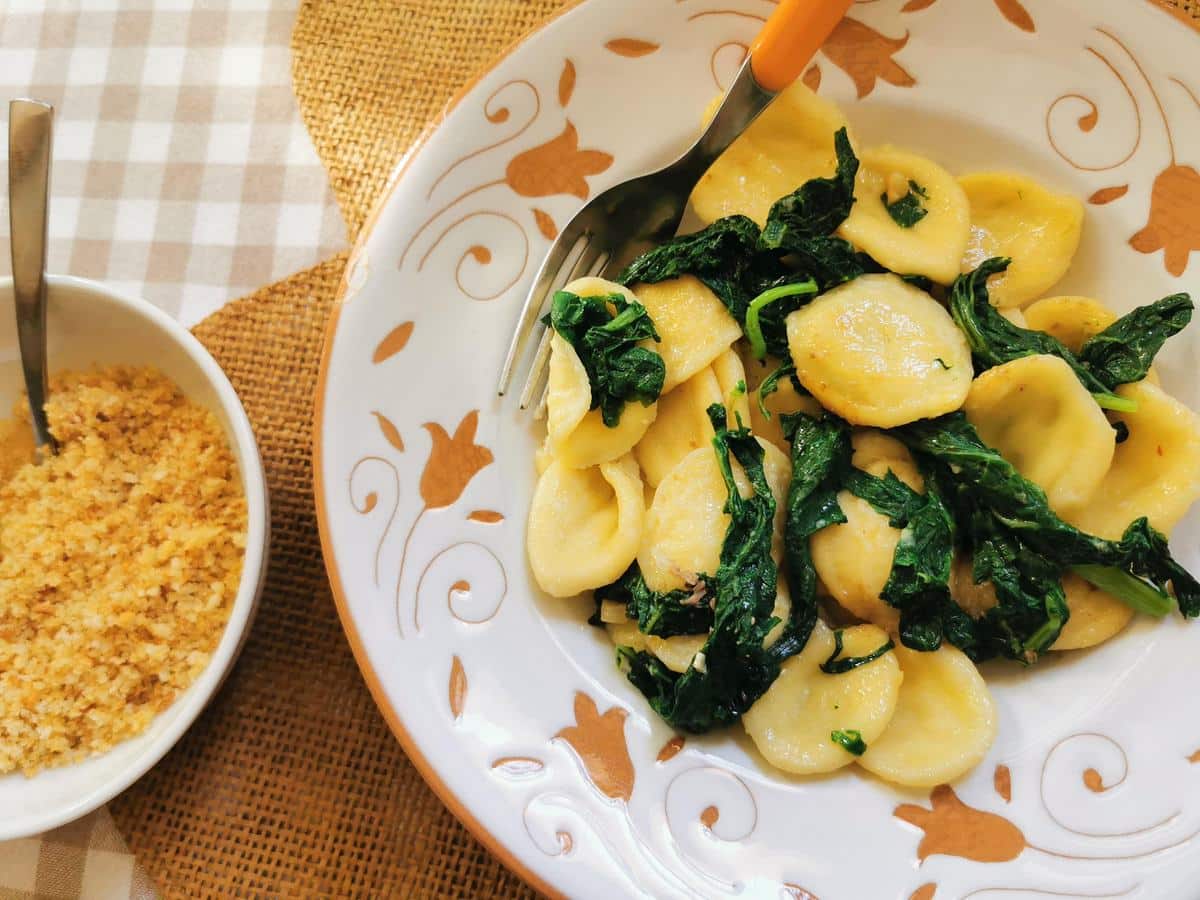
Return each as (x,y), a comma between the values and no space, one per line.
(556,167)
(599,742)
(631,47)
(390,432)
(458,687)
(954,829)
(866,56)
(1002,782)
(453,462)
(1013,10)
(1174,224)
(395,341)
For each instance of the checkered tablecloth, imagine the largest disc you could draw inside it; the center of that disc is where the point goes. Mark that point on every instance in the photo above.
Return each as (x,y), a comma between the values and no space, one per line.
(86,859)
(182,173)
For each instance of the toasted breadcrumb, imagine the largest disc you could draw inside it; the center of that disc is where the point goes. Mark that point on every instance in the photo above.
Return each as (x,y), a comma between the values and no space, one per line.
(120,559)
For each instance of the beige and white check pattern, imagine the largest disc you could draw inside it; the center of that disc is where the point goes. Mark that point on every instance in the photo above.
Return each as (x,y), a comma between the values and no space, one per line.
(86,860)
(182,171)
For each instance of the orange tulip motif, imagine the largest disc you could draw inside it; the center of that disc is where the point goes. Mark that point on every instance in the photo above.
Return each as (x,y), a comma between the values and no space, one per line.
(954,829)
(1174,223)
(453,462)
(866,56)
(599,741)
(556,167)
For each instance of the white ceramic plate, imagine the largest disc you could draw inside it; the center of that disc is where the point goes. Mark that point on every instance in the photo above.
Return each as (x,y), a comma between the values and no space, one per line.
(508,703)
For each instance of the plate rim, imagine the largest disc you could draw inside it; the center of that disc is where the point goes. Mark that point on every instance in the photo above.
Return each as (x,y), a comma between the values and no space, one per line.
(362,660)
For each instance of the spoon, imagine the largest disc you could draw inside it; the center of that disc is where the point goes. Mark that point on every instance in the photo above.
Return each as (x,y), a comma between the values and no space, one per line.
(29,128)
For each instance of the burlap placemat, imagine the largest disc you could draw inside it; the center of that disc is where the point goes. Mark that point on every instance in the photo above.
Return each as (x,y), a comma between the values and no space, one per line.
(290,784)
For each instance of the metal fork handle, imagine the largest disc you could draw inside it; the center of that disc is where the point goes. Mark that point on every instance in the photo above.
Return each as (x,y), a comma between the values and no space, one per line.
(29,137)
(743,103)
(783,48)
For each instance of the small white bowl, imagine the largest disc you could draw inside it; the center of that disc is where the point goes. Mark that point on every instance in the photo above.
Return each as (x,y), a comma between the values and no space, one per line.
(90,324)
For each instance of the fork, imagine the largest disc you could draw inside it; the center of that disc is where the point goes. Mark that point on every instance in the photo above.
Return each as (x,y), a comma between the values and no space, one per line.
(623,222)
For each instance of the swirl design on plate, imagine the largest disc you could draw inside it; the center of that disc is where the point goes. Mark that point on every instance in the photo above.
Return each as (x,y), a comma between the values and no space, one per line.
(715,66)
(462,597)
(1071,895)
(1108,770)
(1173,222)
(453,463)
(557,166)
(370,500)
(704,803)
(482,256)
(1088,120)
(497,115)
(518,766)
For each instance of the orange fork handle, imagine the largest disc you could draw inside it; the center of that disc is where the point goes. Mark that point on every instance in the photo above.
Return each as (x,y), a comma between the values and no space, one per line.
(791,38)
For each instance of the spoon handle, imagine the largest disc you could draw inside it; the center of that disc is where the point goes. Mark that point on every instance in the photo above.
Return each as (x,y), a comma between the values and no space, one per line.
(29,134)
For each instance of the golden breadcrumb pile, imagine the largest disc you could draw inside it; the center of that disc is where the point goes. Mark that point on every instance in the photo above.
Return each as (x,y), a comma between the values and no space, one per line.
(120,559)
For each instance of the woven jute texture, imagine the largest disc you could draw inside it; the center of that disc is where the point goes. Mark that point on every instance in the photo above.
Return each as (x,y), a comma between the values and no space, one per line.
(290,784)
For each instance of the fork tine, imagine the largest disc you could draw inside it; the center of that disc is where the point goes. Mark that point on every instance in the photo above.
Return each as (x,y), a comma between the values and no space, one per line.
(588,263)
(540,359)
(536,300)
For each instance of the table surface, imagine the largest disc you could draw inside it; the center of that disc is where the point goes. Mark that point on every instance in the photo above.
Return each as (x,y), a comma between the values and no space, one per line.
(182,170)
(184,174)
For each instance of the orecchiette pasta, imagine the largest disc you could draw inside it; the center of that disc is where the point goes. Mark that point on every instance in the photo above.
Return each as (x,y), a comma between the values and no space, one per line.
(1155,472)
(933,246)
(682,424)
(878,351)
(785,399)
(944,721)
(676,653)
(854,559)
(1015,315)
(686,523)
(584,525)
(793,722)
(1014,216)
(1035,411)
(578,436)
(975,599)
(791,142)
(642,509)
(694,325)
(1072,321)
(1095,615)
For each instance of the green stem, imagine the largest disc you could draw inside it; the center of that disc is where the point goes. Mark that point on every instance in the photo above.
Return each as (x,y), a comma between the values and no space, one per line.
(758,345)
(1131,591)
(1115,403)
